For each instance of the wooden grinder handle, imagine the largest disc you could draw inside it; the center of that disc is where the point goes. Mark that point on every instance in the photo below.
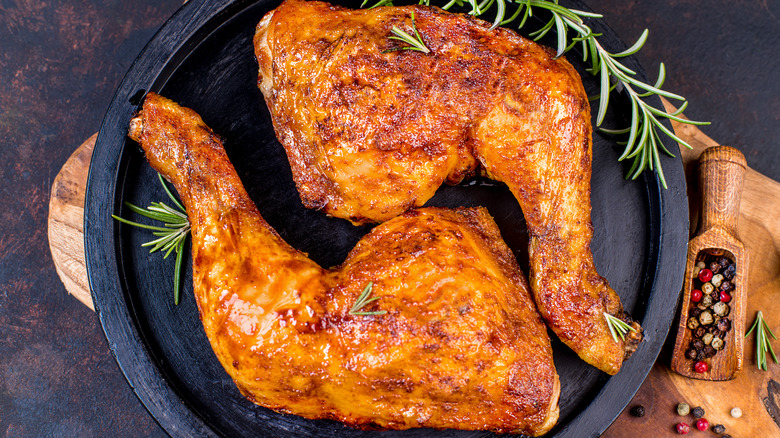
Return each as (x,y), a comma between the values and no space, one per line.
(721,174)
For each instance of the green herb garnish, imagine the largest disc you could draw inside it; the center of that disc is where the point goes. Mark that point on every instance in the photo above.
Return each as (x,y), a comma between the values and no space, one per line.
(363,299)
(762,341)
(170,237)
(416,42)
(617,327)
(644,144)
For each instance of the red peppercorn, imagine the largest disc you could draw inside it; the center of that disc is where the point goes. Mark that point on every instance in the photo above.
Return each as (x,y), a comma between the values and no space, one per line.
(683,428)
(725,297)
(701,367)
(702,424)
(696,295)
(705,275)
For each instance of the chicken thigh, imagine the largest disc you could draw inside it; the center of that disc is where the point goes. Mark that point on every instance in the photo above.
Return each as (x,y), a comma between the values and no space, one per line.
(372,129)
(448,336)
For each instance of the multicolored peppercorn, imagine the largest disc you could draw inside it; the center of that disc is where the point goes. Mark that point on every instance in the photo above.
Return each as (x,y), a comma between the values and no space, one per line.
(736,412)
(683,428)
(712,290)
(701,367)
(638,411)
(721,308)
(699,266)
(702,424)
(719,428)
(715,267)
(683,409)
(697,412)
(730,271)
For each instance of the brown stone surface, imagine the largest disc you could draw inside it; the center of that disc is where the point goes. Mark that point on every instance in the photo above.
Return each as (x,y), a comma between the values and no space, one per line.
(59,65)
(722,56)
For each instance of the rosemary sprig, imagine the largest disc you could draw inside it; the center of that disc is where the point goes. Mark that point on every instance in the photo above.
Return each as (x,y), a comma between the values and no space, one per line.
(363,300)
(617,327)
(762,341)
(644,144)
(416,42)
(170,237)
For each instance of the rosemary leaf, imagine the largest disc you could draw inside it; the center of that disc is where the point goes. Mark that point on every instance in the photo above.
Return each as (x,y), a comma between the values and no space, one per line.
(634,48)
(560,28)
(762,341)
(604,96)
(363,300)
(170,195)
(499,14)
(177,271)
(617,327)
(415,42)
(170,237)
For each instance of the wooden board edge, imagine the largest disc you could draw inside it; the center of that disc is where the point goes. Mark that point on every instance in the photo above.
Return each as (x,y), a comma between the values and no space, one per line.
(66,222)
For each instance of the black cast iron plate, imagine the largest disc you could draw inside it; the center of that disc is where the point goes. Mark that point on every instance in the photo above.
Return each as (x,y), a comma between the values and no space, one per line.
(202,58)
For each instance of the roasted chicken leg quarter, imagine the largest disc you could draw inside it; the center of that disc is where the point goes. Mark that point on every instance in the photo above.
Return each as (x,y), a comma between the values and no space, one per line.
(372,129)
(447,335)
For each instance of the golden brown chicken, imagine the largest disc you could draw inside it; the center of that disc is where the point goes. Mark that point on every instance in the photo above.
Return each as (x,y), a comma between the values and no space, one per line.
(452,340)
(371,131)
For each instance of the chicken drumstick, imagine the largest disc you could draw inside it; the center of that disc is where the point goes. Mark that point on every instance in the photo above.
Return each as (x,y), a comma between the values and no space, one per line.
(372,129)
(453,340)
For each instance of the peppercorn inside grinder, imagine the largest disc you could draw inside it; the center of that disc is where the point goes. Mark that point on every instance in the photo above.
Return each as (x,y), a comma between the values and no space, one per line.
(715,287)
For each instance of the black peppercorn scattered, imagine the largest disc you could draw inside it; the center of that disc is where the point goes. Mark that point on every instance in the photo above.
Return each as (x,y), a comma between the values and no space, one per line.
(697,412)
(719,428)
(715,295)
(638,411)
(714,284)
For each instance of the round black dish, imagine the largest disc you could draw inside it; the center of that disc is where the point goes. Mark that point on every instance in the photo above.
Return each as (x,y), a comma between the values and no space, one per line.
(203,59)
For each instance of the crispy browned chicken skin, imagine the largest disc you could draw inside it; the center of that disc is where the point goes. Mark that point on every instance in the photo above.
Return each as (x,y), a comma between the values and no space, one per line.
(461,345)
(371,132)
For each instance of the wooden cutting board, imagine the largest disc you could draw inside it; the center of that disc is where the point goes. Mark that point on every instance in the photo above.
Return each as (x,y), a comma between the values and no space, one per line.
(757,393)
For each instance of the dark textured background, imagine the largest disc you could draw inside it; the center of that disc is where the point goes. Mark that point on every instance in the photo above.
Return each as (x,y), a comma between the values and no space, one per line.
(60,62)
